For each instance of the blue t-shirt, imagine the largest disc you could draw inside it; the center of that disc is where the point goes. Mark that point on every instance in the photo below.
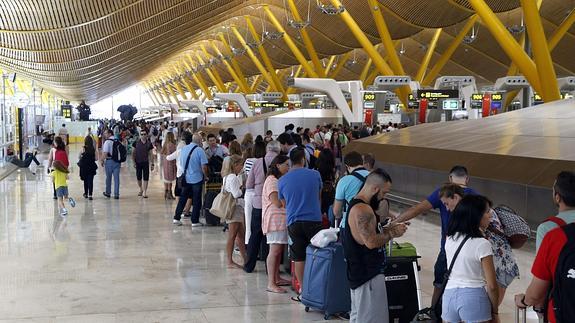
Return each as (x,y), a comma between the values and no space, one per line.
(194,173)
(435,201)
(347,188)
(300,188)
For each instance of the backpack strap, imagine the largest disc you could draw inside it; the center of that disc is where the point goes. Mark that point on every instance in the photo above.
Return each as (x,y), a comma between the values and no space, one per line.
(448,273)
(188,159)
(265,167)
(557,220)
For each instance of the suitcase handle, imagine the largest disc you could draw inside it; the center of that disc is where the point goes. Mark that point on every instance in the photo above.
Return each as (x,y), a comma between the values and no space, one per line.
(520,313)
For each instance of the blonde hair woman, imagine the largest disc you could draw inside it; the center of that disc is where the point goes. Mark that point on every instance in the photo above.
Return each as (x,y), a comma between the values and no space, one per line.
(169,167)
(233,184)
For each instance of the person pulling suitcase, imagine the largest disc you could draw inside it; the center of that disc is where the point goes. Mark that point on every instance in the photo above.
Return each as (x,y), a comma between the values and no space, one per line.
(364,241)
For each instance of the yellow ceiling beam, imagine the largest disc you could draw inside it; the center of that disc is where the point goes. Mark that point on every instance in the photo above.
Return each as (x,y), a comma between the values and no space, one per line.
(365,70)
(508,43)
(168,91)
(561,30)
(151,92)
(254,58)
(230,53)
(199,80)
(258,79)
(212,74)
(427,58)
(265,57)
(291,44)
(387,41)
(159,92)
(241,81)
(541,54)
(177,86)
(448,53)
(370,49)
(187,83)
(308,43)
(340,64)
(330,62)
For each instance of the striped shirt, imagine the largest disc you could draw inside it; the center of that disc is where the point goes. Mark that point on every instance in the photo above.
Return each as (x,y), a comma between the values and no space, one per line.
(273,217)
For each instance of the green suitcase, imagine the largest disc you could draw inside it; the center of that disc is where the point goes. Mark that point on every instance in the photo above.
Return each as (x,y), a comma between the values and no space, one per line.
(404,249)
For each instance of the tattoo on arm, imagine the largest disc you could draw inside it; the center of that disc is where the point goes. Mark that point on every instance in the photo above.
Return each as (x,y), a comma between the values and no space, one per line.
(366,226)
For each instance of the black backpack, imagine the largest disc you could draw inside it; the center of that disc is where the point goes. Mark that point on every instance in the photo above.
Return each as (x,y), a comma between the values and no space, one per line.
(357,175)
(215,164)
(119,152)
(563,291)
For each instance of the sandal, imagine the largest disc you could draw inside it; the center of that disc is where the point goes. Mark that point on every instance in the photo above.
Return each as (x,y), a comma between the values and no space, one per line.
(296,298)
(276,291)
(283,282)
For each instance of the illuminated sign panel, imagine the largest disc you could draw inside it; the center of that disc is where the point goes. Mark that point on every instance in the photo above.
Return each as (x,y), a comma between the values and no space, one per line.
(368,96)
(477,97)
(66,111)
(273,105)
(435,95)
(496,97)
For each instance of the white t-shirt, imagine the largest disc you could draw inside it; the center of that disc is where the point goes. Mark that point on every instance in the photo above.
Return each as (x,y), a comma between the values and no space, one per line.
(327,136)
(467,271)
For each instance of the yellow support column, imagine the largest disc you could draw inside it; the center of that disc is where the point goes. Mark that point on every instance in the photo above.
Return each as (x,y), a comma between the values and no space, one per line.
(307,41)
(254,58)
(340,64)
(428,56)
(257,81)
(171,92)
(329,64)
(291,44)
(446,56)
(242,85)
(370,49)
(365,70)
(159,92)
(211,74)
(541,54)
(178,87)
(230,53)
(153,95)
(385,36)
(508,43)
(561,30)
(265,57)
(164,91)
(199,79)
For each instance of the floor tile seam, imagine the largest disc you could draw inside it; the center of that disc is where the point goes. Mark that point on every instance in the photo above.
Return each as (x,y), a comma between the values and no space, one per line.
(8,170)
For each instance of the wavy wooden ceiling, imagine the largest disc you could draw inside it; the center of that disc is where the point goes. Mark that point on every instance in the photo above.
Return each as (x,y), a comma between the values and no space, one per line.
(90,49)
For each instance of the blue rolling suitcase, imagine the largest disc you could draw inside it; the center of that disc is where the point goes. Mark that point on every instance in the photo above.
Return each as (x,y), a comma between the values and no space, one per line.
(325,284)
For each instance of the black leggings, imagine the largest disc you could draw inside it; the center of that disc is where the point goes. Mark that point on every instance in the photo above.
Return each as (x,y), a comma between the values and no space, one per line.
(143,170)
(89,185)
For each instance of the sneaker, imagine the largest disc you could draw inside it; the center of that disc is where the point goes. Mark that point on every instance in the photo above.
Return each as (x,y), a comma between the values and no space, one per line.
(90,198)
(63,212)
(106,195)
(55,198)
(85,196)
(177,222)
(199,224)
(72,202)
(116,197)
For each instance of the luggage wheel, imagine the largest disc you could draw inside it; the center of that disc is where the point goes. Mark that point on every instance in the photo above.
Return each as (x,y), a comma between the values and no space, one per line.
(307,309)
(326,317)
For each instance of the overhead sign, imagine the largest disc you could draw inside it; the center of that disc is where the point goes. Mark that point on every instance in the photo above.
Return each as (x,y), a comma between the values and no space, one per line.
(537,97)
(412,98)
(435,95)
(369,105)
(368,96)
(273,105)
(496,97)
(450,104)
(477,97)
(66,111)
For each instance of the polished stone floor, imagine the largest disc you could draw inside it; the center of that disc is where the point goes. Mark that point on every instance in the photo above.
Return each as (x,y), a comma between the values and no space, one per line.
(123,261)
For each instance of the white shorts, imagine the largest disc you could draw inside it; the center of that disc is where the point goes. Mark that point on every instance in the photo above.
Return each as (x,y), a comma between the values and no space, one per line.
(277,237)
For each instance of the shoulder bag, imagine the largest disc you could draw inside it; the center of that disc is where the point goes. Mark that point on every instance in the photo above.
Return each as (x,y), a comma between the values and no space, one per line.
(433,314)
(181,181)
(224,204)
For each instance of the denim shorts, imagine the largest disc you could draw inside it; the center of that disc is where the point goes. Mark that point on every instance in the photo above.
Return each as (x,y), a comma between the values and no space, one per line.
(62,191)
(466,305)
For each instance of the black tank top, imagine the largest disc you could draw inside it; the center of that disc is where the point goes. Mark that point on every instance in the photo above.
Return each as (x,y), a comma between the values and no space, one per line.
(362,263)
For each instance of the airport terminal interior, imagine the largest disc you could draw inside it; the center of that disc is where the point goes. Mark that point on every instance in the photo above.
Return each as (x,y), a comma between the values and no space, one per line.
(450,99)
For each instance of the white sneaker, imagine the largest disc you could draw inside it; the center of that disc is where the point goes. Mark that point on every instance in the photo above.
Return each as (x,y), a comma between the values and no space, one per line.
(199,224)
(177,222)
(63,212)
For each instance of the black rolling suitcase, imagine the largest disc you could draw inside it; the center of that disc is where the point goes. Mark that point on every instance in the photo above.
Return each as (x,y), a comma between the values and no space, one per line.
(402,284)
(213,188)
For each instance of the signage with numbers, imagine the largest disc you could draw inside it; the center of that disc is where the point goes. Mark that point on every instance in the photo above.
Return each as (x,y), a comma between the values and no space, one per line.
(477,97)
(496,97)
(368,96)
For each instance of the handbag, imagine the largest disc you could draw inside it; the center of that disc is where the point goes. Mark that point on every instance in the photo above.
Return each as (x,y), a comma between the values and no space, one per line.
(515,228)
(224,204)
(433,314)
(181,180)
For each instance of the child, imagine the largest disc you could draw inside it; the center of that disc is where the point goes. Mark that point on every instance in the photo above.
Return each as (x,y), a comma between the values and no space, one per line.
(60,175)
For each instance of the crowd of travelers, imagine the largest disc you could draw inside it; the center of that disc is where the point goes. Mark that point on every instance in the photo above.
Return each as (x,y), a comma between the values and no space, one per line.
(284,189)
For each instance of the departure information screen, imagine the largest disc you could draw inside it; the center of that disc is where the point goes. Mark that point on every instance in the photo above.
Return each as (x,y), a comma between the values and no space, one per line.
(435,95)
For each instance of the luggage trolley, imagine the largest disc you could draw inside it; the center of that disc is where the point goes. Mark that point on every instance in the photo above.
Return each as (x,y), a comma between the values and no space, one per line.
(212,188)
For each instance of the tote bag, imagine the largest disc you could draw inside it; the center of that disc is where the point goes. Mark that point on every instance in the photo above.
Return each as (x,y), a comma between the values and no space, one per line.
(224,204)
